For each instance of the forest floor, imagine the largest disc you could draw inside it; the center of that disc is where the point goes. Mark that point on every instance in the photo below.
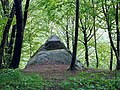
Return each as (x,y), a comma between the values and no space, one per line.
(57,73)
(58,77)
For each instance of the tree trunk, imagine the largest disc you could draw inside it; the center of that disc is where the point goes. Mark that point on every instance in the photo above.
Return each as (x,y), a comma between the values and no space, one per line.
(118,37)
(72,66)
(97,64)
(19,35)
(86,54)
(111,59)
(10,47)
(26,12)
(20,31)
(73,31)
(67,36)
(106,14)
(96,54)
(5,33)
(86,48)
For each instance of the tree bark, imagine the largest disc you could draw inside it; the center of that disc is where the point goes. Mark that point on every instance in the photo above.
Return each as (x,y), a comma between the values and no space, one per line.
(72,66)
(96,52)
(111,59)
(5,33)
(20,31)
(19,35)
(107,16)
(118,37)
(10,47)
(67,36)
(86,47)
(26,12)
(94,17)
(73,25)
(86,54)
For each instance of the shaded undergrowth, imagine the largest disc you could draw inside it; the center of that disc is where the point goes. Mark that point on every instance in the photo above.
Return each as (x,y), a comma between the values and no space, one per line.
(18,80)
(107,80)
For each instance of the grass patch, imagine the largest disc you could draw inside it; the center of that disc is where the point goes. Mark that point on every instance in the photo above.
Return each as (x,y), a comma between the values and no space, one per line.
(17,80)
(93,81)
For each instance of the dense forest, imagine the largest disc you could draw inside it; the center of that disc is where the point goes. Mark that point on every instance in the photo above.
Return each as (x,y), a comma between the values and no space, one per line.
(98,31)
(90,29)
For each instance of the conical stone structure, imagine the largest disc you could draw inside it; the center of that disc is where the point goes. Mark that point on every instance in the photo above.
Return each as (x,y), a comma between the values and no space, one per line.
(52,52)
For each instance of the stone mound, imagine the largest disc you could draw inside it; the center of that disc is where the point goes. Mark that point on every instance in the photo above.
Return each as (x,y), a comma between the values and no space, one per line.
(53,52)
(59,56)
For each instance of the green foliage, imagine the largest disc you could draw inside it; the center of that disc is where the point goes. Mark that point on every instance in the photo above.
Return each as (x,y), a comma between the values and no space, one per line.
(93,81)
(17,80)
(47,17)
(2,24)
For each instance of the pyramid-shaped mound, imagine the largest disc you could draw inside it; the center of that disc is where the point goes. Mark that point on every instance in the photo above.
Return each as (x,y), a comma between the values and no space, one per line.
(52,52)
(53,43)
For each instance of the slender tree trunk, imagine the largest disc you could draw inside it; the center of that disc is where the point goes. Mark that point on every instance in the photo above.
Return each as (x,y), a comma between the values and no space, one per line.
(72,31)
(72,66)
(96,54)
(110,37)
(106,14)
(86,48)
(86,54)
(19,35)
(5,33)
(10,47)
(113,47)
(118,37)
(67,36)
(111,59)
(20,31)
(26,12)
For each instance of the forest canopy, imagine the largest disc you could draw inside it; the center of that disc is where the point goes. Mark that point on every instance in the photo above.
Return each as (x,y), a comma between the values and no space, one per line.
(36,20)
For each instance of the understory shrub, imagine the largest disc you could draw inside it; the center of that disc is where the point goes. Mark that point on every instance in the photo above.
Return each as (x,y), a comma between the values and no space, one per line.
(17,80)
(92,81)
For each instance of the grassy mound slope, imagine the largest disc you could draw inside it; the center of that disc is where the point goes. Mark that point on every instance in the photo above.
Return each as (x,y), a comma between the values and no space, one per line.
(18,80)
(93,81)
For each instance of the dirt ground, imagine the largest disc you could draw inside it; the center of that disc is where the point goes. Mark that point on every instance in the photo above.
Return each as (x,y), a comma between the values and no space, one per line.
(56,73)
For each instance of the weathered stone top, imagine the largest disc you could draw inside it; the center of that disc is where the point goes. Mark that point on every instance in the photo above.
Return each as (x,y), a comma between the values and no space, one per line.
(53,43)
(53,38)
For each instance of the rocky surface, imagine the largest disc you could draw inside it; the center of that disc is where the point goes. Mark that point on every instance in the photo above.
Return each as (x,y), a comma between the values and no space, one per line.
(60,56)
(53,52)
(53,43)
